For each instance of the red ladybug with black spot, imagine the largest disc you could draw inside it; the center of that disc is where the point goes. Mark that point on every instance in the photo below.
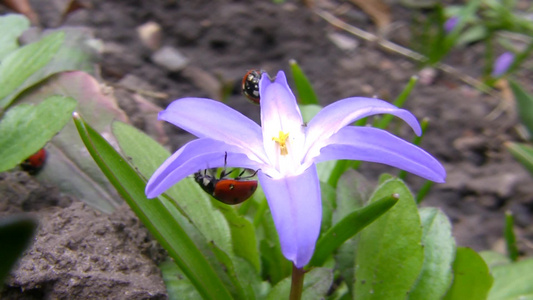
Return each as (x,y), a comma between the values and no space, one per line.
(226,190)
(34,163)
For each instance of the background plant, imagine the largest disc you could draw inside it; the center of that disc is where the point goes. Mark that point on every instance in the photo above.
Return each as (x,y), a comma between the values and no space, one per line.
(498,24)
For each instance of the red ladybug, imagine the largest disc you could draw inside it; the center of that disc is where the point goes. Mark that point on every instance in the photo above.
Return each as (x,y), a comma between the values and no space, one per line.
(226,190)
(250,85)
(34,163)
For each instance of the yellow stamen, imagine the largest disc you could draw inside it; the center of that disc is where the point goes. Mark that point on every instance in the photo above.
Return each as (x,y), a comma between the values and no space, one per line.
(282,142)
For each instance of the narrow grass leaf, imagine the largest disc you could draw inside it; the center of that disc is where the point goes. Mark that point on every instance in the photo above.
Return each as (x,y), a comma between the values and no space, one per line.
(304,90)
(350,226)
(510,238)
(154,215)
(385,120)
(230,236)
(524,105)
(523,153)
(179,287)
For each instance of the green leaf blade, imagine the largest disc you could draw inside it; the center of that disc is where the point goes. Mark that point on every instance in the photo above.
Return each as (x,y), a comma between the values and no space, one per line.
(153,214)
(472,279)
(306,94)
(523,153)
(439,252)
(26,128)
(11,26)
(316,285)
(524,105)
(390,256)
(348,227)
(513,281)
(21,64)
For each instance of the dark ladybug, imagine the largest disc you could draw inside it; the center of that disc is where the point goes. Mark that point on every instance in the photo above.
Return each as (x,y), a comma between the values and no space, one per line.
(226,190)
(250,85)
(34,163)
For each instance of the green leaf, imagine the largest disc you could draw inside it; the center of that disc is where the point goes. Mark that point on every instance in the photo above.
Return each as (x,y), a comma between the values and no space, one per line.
(513,281)
(147,155)
(243,235)
(304,90)
(439,252)
(523,153)
(309,111)
(75,53)
(18,66)
(16,233)
(329,195)
(275,265)
(154,214)
(316,284)
(243,279)
(353,190)
(493,258)
(472,279)
(11,26)
(350,226)
(510,238)
(230,236)
(389,253)
(524,105)
(72,170)
(25,129)
(472,34)
(398,102)
(179,287)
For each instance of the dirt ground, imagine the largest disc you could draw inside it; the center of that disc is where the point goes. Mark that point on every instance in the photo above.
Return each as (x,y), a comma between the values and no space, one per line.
(221,40)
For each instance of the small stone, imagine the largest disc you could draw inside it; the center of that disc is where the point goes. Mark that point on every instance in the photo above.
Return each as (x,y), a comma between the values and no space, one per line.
(170,58)
(502,184)
(150,35)
(343,42)
(427,76)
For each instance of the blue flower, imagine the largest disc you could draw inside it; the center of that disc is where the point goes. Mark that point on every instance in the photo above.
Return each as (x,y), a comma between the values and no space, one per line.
(502,64)
(285,150)
(450,24)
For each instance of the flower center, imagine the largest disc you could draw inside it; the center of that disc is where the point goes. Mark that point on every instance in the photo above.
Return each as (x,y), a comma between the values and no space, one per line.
(282,142)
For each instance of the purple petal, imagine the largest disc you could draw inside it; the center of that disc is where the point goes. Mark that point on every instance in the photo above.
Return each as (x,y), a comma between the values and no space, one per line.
(277,97)
(376,145)
(194,156)
(502,64)
(280,112)
(450,24)
(297,212)
(343,112)
(215,120)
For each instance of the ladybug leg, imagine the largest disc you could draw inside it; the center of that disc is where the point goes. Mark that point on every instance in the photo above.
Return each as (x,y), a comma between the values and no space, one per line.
(226,173)
(246,177)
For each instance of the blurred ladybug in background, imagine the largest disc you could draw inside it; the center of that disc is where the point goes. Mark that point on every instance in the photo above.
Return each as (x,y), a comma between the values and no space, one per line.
(250,85)
(34,163)
(226,190)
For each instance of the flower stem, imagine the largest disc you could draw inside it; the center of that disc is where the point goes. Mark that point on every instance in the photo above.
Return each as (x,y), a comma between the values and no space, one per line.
(297,283)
